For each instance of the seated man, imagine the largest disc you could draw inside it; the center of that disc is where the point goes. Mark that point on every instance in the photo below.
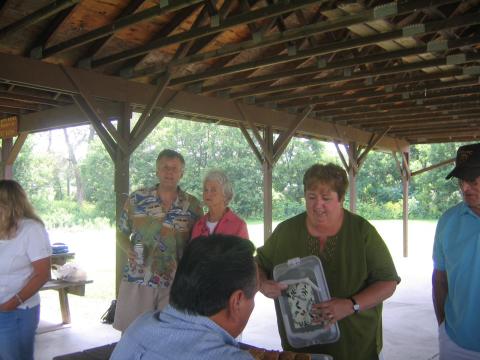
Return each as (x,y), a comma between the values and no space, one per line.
(211,300)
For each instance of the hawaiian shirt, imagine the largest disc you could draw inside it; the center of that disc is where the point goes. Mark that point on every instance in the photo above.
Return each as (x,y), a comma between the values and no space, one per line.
(158,236)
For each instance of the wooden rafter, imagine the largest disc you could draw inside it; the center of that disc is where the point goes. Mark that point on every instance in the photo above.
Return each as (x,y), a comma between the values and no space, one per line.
(329,48)
(38,15)
(229,23)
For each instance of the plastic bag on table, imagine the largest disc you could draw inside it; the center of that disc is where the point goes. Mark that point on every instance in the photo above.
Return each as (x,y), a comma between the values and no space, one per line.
(70,272)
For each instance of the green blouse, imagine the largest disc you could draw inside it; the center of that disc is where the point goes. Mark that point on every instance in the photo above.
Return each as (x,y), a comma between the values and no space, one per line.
(352,260)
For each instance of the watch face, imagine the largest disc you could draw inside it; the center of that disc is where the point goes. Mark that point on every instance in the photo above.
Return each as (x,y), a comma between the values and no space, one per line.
(356,307)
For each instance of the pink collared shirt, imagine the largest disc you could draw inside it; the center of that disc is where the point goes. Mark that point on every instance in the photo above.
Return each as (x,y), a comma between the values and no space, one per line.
(229,224)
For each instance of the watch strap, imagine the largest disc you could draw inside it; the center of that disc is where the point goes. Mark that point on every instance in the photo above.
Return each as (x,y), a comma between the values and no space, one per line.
(356,307)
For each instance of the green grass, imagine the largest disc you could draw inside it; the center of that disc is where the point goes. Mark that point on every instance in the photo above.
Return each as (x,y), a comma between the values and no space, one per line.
(95,248)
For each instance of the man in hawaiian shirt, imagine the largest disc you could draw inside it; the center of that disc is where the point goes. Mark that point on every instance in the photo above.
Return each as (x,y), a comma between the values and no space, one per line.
(155,226)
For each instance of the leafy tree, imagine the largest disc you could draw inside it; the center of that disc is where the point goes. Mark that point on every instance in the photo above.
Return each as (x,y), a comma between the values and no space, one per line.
(51,186)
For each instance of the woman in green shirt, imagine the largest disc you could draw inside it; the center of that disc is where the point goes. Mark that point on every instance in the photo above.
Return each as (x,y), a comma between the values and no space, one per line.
(358,267)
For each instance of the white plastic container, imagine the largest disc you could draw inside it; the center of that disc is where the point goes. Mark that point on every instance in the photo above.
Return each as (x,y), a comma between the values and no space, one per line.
(307,286)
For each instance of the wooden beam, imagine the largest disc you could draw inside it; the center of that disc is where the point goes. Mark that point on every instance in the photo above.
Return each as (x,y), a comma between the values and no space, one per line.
(41,75)
(290,35)
(352,174)
(266,153)
(425,121)
(284,139)
(166,30)
(17,146)
(109,29)
(252,16)
(6,170)
(395,86)
(88,104)
(154,120)
(38,15)
(371,144)
(434,166)
(377,118)
(342,158)
(57,118)
(328,48)
(15,104)
(145,117)
(337,64)
(121,186)
(31,98)
(131,7)
(267,184)
(42,38)
(250,142)
(383,99)
(349,115)
(128,71)
(361,75)
(92,115)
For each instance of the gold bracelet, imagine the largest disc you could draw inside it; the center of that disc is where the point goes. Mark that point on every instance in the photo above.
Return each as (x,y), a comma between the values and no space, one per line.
(19,299)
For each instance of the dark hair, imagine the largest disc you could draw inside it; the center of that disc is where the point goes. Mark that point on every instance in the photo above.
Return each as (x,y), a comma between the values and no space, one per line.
(212,268)
(329,174)
(172,154)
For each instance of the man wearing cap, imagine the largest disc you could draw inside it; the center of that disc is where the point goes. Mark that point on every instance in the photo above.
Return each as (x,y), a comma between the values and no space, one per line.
(456,257)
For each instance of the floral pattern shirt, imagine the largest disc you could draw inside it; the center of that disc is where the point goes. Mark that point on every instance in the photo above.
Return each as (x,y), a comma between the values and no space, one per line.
(161,234)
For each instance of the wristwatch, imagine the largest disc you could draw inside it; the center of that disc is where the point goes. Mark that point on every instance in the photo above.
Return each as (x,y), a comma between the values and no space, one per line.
(356,307)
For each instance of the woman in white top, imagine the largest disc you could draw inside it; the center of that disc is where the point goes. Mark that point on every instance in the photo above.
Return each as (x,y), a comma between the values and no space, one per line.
(24,268)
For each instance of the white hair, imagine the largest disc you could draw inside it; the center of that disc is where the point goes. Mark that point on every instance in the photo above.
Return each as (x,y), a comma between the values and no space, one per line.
(220,177)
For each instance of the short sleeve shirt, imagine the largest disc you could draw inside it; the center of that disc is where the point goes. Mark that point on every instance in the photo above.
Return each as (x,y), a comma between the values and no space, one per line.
(30,243)
(456,250)
(162,234)
(352,260)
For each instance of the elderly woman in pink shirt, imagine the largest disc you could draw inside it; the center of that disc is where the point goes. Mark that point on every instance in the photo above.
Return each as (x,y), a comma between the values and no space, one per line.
(217,193)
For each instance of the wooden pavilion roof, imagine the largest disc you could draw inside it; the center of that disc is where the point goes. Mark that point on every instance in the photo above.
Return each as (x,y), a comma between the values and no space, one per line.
(406,70)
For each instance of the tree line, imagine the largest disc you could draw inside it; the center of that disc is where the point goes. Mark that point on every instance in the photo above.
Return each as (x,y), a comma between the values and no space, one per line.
(74,185)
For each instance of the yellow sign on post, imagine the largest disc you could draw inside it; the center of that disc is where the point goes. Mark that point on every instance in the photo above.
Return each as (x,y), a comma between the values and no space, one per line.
(8,127)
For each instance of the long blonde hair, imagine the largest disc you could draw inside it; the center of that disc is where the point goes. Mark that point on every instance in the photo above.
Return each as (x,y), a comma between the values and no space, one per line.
(14,206)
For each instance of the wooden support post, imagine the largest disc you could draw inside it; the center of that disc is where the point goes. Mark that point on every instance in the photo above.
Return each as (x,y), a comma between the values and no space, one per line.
(404,169)
(121,184)
(266,158)
(6,168)
(405,182)
(352,174)
(267,185)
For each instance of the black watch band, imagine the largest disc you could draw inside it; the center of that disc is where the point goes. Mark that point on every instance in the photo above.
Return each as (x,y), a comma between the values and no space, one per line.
(356,307)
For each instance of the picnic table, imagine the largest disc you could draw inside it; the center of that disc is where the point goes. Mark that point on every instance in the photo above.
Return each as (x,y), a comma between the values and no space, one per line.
(64,288)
